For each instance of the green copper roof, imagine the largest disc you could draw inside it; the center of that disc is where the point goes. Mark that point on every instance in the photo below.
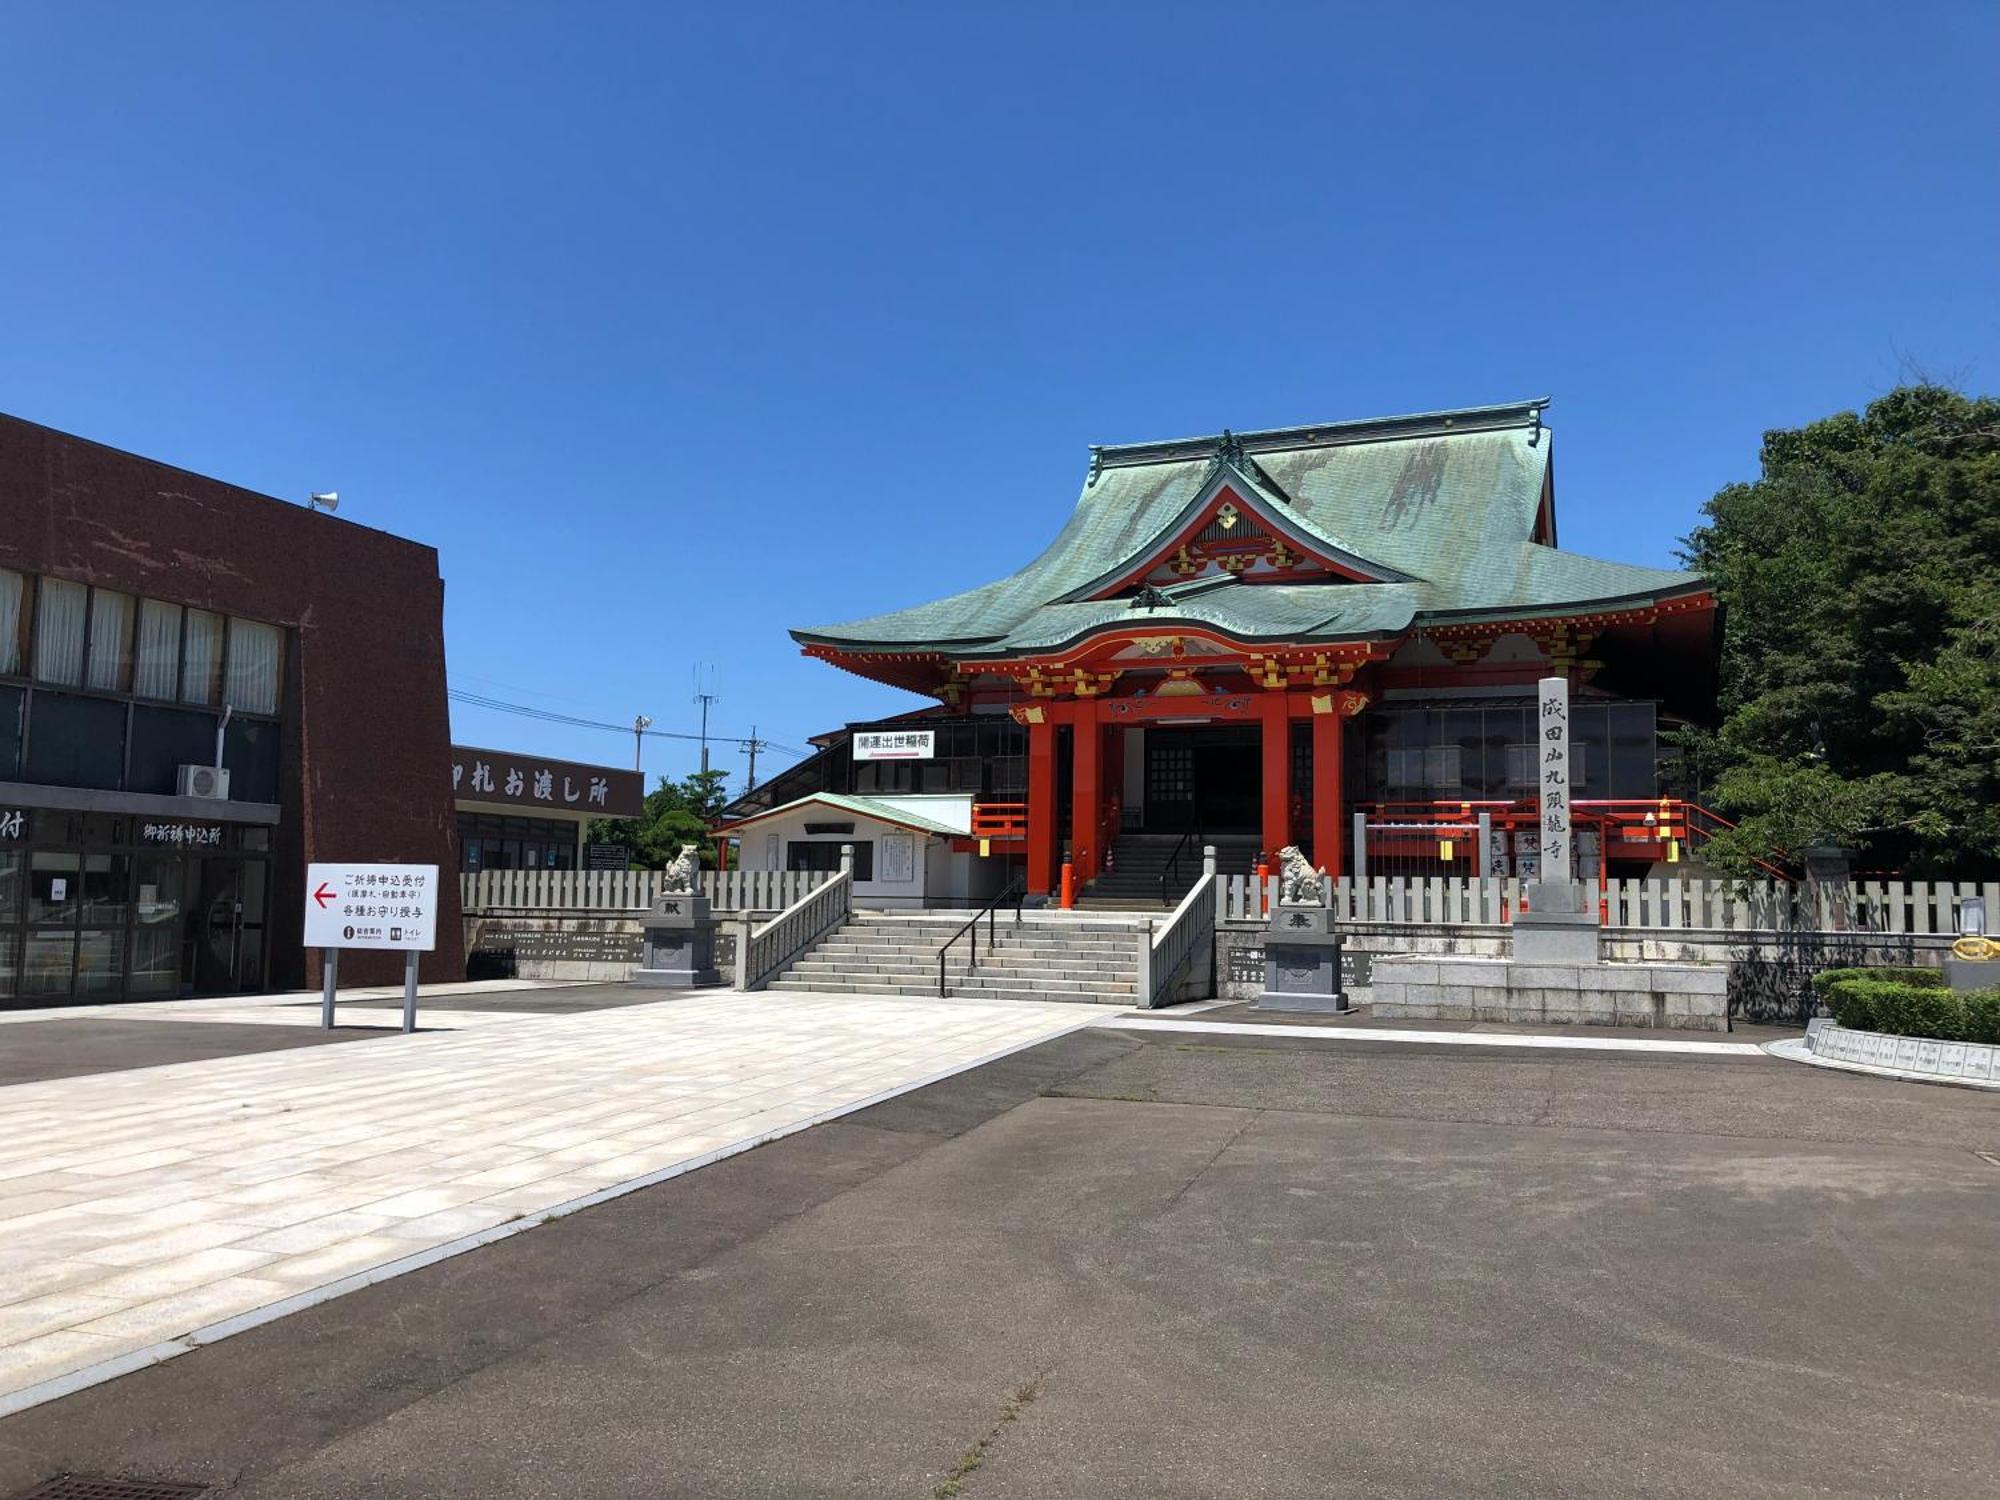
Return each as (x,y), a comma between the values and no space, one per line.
(1441,506)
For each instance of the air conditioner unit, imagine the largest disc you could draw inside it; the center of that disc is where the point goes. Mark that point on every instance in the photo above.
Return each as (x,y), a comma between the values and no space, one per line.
(203,781)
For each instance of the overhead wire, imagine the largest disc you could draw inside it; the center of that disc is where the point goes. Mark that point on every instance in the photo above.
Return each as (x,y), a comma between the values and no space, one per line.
(550,716)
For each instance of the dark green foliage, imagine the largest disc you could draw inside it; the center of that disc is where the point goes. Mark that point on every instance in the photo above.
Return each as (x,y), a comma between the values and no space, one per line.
(1860,690)
(677,812)
(1825,979)
(1862,1002)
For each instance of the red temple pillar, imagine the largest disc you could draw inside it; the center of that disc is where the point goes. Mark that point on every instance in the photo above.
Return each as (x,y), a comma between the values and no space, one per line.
(1328,851)
(1275,712)
(1086,790)
(1041,804)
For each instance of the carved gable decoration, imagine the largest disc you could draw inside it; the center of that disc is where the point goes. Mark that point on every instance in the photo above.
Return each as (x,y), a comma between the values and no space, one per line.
(1235,529)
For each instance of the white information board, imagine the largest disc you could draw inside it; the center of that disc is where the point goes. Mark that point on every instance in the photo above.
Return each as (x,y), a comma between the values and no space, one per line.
(895,744)
(372,906)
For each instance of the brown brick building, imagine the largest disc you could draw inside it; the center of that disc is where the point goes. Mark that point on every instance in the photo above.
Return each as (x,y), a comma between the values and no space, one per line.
(151,622)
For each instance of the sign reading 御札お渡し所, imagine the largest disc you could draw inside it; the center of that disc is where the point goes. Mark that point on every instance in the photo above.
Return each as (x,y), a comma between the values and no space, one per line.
(529,781)
(372,906)
(895,744)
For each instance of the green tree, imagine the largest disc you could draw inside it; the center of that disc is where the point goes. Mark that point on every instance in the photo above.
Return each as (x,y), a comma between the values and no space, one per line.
(677,813)
(1859,578)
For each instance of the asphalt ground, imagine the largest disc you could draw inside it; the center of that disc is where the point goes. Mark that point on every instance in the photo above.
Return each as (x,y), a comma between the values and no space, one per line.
(1139,1264)
(36,1051)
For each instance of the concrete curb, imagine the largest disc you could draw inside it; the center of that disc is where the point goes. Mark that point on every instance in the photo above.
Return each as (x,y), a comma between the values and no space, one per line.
(1794,1049)
(1436,1038)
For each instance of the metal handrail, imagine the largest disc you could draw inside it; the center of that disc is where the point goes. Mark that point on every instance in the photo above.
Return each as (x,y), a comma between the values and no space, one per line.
(1017,893)
(1192,836)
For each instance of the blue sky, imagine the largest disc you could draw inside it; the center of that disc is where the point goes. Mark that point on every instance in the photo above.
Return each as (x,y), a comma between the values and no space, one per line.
(674,326)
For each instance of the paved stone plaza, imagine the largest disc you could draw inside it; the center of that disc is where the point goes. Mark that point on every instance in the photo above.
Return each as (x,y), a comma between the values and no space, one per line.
(146,1203)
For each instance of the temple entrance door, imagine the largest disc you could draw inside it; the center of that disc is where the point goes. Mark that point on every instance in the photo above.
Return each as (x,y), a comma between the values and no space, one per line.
(225,926)
(1209,778)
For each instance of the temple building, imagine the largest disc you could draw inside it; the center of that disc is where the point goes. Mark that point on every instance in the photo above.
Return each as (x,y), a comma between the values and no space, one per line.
(1247,639)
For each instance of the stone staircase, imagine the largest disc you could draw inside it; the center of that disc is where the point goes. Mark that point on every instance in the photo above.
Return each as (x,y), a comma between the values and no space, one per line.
(1138,860)
(1049,956)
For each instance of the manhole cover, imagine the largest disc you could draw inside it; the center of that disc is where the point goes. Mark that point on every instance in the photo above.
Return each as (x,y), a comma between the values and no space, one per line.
(81,1487)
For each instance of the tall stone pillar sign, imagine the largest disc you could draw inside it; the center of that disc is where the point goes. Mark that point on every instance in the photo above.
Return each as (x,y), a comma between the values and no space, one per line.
(1552,745)
(1553,927)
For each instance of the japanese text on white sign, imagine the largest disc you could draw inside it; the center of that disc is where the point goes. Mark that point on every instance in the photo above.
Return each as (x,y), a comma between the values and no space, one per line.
(372,906)
(895,744)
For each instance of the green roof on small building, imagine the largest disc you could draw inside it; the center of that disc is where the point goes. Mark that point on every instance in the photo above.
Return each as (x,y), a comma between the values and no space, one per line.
(1436,514)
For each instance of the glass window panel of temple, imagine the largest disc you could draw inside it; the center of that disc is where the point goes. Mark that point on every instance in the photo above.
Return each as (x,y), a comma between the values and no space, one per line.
(985,756)
(1423,753)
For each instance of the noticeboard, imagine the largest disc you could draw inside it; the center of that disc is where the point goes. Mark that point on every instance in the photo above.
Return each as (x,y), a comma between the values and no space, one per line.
(372,906)
(606,857)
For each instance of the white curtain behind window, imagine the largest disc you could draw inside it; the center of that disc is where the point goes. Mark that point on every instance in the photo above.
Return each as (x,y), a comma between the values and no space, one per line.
(201,672)
(110,640)
(158,669)
(12,587)
(253,667)
(59,617)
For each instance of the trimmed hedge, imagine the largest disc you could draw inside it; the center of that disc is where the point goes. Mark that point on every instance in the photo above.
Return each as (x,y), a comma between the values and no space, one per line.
(1917,1005)
(1930,979)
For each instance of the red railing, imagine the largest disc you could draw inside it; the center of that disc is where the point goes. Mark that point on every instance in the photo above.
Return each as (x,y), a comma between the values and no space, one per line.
(1672,826)
(999,820)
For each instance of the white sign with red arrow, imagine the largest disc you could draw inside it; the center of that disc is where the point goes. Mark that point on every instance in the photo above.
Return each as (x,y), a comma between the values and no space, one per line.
(372,906)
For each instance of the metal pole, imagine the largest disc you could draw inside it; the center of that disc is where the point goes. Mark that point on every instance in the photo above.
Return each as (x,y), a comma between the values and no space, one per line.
(330,967)
(751,780)
(410,990)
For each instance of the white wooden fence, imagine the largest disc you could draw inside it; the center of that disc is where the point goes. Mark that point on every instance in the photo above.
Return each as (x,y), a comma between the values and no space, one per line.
(628,890)
(1893,906)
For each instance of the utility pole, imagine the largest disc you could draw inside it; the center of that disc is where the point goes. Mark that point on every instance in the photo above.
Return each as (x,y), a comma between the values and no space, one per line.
(704,698)
(753,745)
(639,727)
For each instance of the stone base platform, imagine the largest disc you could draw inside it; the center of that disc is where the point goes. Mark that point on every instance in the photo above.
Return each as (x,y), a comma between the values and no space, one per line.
(1689,997)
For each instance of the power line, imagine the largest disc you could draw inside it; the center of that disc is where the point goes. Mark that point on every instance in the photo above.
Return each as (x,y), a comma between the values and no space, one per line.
(549,716)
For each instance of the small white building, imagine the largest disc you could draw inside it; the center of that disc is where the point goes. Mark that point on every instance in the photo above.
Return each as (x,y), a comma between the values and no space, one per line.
(909,851)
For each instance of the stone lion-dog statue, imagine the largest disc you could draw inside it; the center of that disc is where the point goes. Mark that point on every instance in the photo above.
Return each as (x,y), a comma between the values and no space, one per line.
(683,876)
(1299,884)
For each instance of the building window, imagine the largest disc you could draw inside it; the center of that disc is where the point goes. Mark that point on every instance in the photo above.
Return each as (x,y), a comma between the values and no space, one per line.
(157,671)
(110,666)
(488,841)
(13,588)
(61,609)
(824,858)
(112,647)
(74,740)
(201,657)
(254,652)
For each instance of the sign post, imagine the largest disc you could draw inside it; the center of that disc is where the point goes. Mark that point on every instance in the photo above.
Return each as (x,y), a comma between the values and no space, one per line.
(371,906)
